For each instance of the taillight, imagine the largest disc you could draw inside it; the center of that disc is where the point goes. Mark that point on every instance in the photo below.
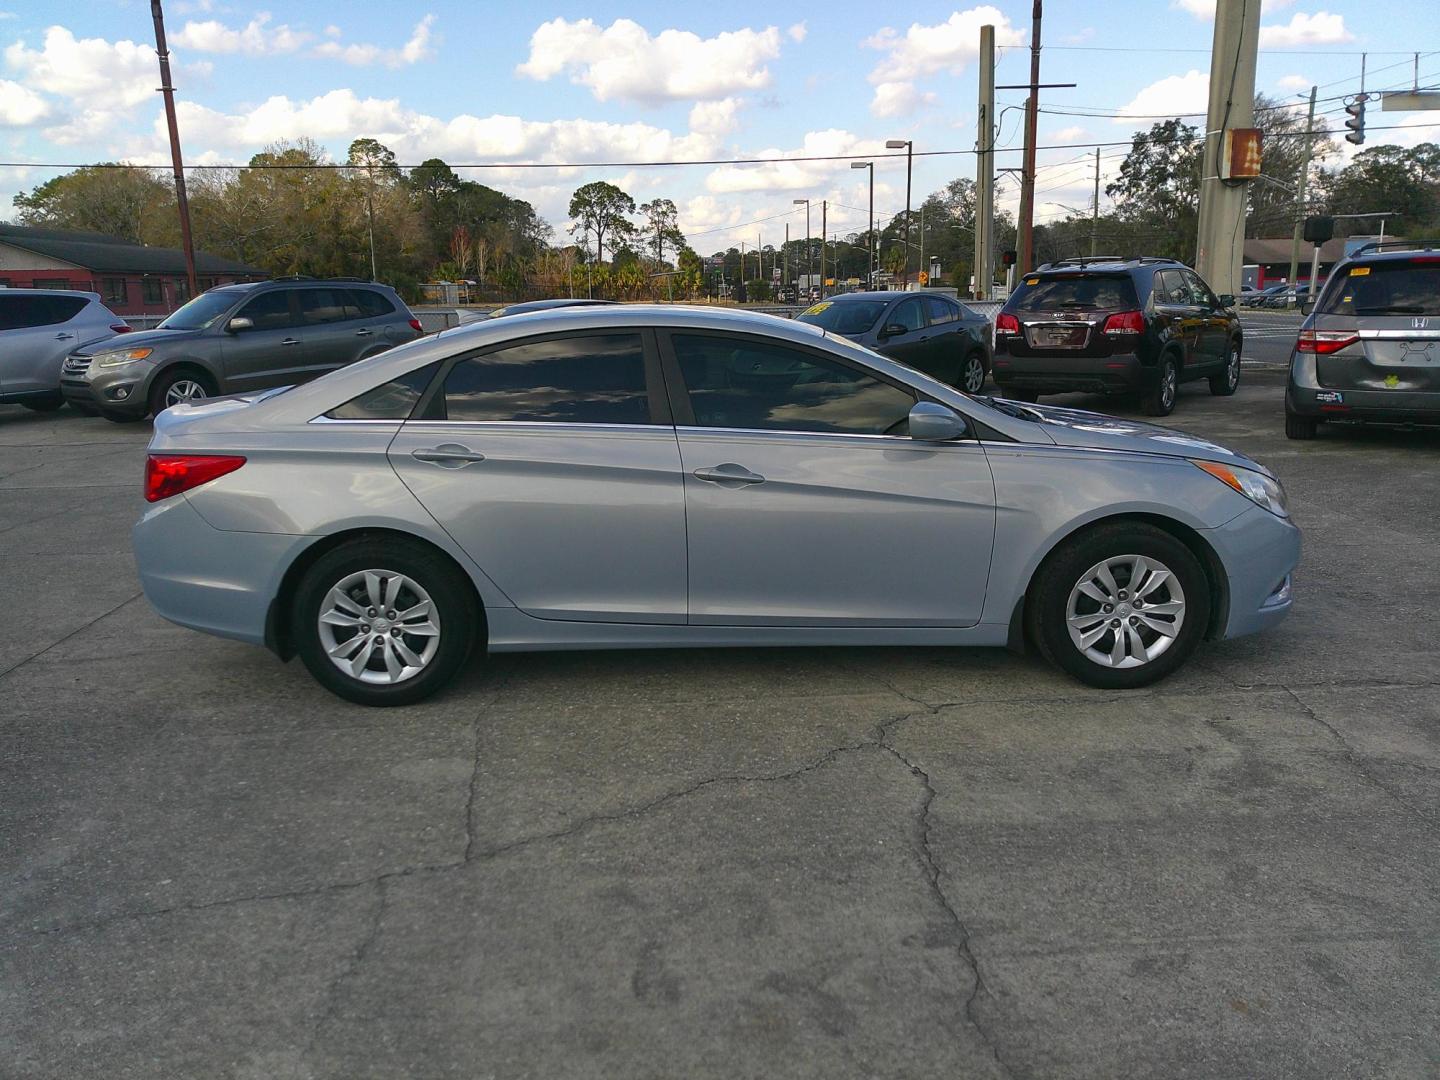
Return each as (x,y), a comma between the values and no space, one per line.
(170,474)
(415,325)
(121,327)
(1324,341)
(1006,323)
(1124,322)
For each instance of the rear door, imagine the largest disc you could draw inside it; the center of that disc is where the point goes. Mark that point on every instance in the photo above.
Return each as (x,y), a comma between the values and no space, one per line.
(946,339)
(36,333)
(1213,331)
(272,351)
(1393,307)
(553,463)
(334,334)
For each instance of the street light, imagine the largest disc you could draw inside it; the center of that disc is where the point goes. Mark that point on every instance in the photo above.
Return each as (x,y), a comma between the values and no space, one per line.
(896,144)
(809,269)
(871,166)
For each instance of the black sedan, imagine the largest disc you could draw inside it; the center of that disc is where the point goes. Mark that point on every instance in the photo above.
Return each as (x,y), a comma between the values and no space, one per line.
(929,331)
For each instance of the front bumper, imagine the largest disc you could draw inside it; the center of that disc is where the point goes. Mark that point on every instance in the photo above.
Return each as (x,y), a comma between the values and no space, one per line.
(1259,553)
(123,390)
(217,582)
(1119,373)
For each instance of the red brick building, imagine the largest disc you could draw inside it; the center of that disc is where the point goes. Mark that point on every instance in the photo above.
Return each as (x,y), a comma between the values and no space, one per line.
(132,279)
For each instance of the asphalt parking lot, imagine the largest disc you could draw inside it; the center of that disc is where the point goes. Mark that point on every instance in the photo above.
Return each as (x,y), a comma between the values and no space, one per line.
(827,863)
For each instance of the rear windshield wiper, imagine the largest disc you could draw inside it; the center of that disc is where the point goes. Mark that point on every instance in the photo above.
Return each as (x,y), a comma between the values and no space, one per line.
(1401,309)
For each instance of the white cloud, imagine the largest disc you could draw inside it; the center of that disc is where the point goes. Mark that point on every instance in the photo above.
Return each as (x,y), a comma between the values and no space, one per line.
(1205,9)
(929,50)
(256,38)
(1294,82)
(784,174)
(109,74)
(1171,96)
(622,61)
(20,106)
(797,32)
(899,99)
(715,117)
(1068,134)
(1322,28)
(414,50)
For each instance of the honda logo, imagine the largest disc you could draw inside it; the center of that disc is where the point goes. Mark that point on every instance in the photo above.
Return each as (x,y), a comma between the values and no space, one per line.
(1419,324)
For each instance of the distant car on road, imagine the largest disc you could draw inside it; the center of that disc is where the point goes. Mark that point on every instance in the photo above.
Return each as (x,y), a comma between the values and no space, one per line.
(237,338)
(1289,296)
(38,329)
(1116,326)
(1369,350)
(929,331)
(467,317)
(1258,298)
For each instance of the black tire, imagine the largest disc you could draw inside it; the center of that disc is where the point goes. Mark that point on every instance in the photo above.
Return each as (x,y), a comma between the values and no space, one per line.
(1159,400)
(966,378)
(1047,609)
(1300,427)
(1028,396)
(45,405)
(450,592)
(1224,383)
(163,383)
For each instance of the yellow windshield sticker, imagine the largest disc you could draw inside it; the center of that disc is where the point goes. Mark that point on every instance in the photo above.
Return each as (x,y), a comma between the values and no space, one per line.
(1359,271)
(1347,299)
(815,309)
(1032,281)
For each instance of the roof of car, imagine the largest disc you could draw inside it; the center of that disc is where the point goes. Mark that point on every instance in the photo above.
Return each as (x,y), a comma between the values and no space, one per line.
(878,294)
(51,292)
(541,305)
(1108,264)
(1397,254)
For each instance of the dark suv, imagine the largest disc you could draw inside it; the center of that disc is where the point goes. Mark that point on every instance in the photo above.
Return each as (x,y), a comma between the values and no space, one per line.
(1116,326)
(238,338)
(1369,350)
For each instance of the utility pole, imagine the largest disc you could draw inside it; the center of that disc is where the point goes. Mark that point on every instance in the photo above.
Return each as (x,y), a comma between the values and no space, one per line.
(785,252)
(1300,191)
(167,91)
(984,167)
(1095,211)
(1027,176)
(1220,241)
(809,266)
(824,206)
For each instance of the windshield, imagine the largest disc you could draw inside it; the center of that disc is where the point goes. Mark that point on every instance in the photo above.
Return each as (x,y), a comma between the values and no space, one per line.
(848,317)
(1399,287)
(1079,292)
(200,312)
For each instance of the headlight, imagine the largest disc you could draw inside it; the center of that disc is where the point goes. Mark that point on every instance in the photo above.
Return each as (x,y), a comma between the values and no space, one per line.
(1257,487)
(121,356)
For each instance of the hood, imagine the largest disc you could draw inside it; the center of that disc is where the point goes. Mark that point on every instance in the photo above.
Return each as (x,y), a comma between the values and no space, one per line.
(137,338)
(1076,427)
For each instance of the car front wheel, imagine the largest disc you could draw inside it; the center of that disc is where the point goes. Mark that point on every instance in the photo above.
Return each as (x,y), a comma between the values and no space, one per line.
(384,622)
(178,388)
(1120,606)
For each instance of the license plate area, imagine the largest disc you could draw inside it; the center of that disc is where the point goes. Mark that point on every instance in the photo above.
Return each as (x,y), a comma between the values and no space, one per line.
(1057,335)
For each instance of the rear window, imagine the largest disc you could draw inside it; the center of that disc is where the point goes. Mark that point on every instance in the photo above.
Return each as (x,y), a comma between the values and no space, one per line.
(1076,292)
(20,312)
(1393,287)
(845,317)
(371,304)
(394,400)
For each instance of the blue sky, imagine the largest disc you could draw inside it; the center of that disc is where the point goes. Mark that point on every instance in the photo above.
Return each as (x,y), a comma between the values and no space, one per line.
(472,82)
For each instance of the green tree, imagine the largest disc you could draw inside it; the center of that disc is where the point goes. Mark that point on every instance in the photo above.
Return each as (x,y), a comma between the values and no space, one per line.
(1159,186)
(1403,181)
(602,209)
(662,227)
(125,201)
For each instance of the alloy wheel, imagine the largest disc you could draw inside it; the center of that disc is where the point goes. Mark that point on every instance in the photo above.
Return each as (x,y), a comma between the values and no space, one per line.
(183,390)
(1125,611)
(1168,382)
(1232,368)
(974,376)
(379,626)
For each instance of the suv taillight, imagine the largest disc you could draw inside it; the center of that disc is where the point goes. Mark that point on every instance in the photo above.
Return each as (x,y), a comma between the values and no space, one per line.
(170,474)
(1005,323)
(1125,322)
(415,325)
(1324,341)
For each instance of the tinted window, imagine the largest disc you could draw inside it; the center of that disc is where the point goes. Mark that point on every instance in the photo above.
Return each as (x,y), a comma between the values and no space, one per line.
(940,311)
(1076,291)
(907,315)
(19,312)
(200,312)
(394,400)
(1199,290)
(327,306)
(1169,289)
(268,311)
(572,380)
(844,316)
(1385,288)
(734,383)
(371,304)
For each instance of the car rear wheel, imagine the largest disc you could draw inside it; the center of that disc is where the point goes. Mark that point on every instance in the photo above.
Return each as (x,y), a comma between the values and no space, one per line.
(179,387)
(1300,427)
(384,622)
(972,373)
(1223,383)
(1159,400)
(1120,606)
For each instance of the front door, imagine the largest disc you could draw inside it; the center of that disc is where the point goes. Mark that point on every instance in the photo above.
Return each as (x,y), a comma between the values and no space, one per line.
(1213,338)
(806,501)
(905,329)
(553,463)
(271,351)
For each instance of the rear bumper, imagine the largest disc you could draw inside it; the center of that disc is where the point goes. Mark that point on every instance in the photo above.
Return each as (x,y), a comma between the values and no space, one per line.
(1259,552)
(1364,406)
(1115,374)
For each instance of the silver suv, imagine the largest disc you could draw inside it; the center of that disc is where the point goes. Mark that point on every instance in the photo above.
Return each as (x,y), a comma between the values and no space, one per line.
(38,328)
(238,338)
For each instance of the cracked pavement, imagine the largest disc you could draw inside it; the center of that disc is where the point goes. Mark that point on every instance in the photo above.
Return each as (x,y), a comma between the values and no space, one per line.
(812,863)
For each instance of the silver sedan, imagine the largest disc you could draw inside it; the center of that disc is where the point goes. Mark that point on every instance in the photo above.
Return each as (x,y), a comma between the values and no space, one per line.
(634,477)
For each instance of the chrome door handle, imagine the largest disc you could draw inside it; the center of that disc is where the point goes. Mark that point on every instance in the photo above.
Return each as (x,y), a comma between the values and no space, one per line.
(364,333)
(448,455)
(63,337)
(290,341)
(729,475)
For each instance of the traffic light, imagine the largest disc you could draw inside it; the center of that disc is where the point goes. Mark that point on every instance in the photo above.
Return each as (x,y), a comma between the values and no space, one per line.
(1319,229)
(1007,257)
(1356,123)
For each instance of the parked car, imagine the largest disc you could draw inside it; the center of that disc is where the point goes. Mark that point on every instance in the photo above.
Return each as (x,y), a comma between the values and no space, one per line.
(929,331)
(660,476)
(238,338)
(1112,326)
(38,329)
(1261,297)
(1289,296)
(1369,350)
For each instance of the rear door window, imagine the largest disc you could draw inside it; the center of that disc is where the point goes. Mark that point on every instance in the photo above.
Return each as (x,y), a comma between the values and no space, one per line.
(907,314)
(941,310)
(1393,287)
(371,304)
(394,400)
(22,312)
(319,306)
(1077,292)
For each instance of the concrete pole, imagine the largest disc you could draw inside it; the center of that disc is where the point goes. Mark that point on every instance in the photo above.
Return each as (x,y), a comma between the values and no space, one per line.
(1300,191)
(1220,241)
(985,167)
(1095,211)
(1026,253)
(785,252)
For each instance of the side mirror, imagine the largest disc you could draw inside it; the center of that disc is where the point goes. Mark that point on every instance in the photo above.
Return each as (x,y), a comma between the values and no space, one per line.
(239,323)
(1227,300)
(933,422)
(894,330)
(1307,306)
